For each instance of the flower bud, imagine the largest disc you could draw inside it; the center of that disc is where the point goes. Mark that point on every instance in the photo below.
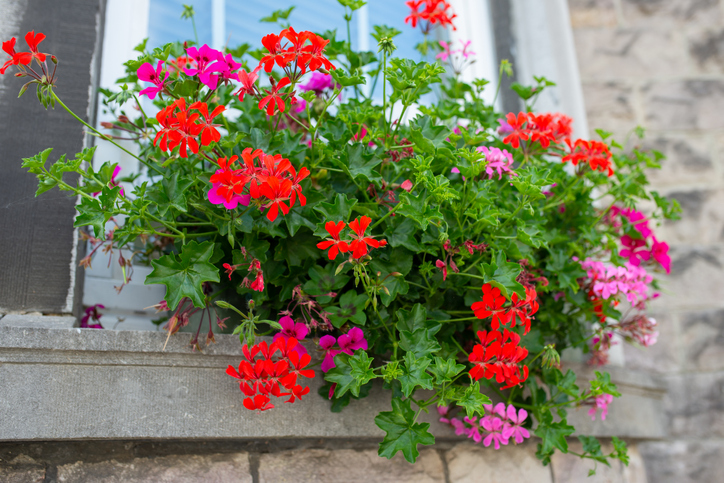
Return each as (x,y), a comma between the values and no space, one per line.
(54,59)
(124,119)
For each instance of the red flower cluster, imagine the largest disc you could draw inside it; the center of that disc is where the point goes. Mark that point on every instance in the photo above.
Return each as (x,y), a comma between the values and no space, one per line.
(302,52)
(499,355)
(493,303)
(270,179)
(255,272)
(265,376)
(595,153)
(23,58)
(359,243)
(180,127)
(433,12)
(538,128)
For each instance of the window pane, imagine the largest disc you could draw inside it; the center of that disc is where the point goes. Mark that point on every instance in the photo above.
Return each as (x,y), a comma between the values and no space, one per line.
(166,25)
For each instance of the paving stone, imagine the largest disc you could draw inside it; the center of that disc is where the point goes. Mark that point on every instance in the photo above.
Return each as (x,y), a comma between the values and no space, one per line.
(469,463)
(695,405)
(568,468)
(349,466)
(684,104)
(618,54)
(592,13)
(610,106)
(219,468)
(668,13)
(683,462)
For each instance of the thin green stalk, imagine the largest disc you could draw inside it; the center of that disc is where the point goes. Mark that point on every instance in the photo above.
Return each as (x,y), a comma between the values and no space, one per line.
(389,213)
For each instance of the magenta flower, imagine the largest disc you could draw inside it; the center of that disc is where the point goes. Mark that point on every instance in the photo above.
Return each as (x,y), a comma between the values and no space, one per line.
(494,427)
(660,253)
(465,52)
(326,343)
(601,402)
(236,200)
(474,430)
(352,341)
(504,128)
(114,183)
(318,83)
(147,74)
(290,329)
(446,52)
(92,314)
(513,426)
(442,411)
(459,426)
(203,57)
(632,251)
(497,160)
(223,69)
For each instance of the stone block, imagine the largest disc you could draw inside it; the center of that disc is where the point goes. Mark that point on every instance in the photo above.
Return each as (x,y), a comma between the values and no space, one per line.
(706,48)
(618,54)
(683,461)
(689,159)
(219,468)
(663,357)
(695,281)
(703,340)
(611,106)
(22,474)
(469,463)
(592,13)
(37,320)
(702,219)
(670,13)
(695,405)
(569,468)
(684,105)
(350,466)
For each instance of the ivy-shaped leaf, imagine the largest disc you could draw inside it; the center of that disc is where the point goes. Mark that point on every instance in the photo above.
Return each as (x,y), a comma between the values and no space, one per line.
(502,274)
(419,209)
(414,373)
(356,162)
(473,400)
(97,212)
(445,369)
(403,433)
(170,193)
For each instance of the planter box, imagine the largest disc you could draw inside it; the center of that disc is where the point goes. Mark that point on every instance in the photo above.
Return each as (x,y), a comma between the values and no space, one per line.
(64,383)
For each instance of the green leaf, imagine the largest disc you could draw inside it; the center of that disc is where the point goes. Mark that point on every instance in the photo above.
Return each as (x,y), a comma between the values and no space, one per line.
(404,235)
(97,212)
(502,274)
(473,400)
(345,80)
(357,162)
(277,15)
(419,208)
(403,433)
(350,373)
(592,447)
(351,306)
(170,193)
(323,280)
(445,369)
(184,274)
(340,210)
(553,435)
(414,374)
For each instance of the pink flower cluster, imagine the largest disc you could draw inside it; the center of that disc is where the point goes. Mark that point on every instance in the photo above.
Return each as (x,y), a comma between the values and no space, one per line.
(292,330)
(497,160)
(347,343)
(637,249)
(600,402)
(608,280)
(497,427)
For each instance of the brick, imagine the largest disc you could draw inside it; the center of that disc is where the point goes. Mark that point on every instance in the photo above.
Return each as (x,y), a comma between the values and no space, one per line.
(350,466)
(569,468)
(695,405)
(703,340)
(688,159)
(610,106)
(683,462)
(221,468)
(668,13)
(662,357)
(695,278)
(592,13)
(617,54)
(468,463)
(685,104)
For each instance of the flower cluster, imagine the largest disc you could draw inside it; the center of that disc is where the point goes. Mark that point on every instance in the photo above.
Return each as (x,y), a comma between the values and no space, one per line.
(184,127)
(358,245)
(595,153)
(292,330)
(499,160)
(269,376)
(458,59)
(498,356)
(606,281)
(255,272)
(640,328)
(497,427)
(494,305)
(346,343)
(599,402)
(23,58)
(636,248)
(429,13)
(543,129)
(451,252)
(270,179)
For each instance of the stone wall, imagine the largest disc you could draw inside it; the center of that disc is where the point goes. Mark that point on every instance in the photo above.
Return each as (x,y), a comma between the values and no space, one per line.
(660,64)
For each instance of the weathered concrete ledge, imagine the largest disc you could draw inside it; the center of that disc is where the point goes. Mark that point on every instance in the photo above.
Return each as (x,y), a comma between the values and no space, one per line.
(63,383)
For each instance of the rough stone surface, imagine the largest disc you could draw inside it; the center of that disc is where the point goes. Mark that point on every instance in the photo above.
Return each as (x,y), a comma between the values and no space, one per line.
(685,104)
(37,320)
(683,461)
(663,357)
(669,13)
(325,466)
(22,474)
(568,468)
(469,463)
(592,13)
(703,340)
(167,469)
(611,106)
(695,405)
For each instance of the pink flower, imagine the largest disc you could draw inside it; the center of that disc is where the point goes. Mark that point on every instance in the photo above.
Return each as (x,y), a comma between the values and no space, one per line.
(224,68)
(458,425)
(248,82)
(442,411)
(318,83)
(494,427)
(236,200)
(505,127)
(92,314)
(442,266)
(660,253)
(114,183)
(474,430)
(466,45)
(632,251)
(446,52)
(203,57)
(601,402)
(352,341)
(292,330)
(147,74)
(497,160)
(513,426)
(406,185)
(326,343)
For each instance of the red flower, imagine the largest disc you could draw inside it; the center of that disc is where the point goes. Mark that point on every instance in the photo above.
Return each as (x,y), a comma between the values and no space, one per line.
(491,306)
(33,39)
(312,56)
(296,187)
(276,53)
(274,99)
(359,244)
(209,133)
(595,153)
(519,132)
(498,356)
(259,402)
(16,58)
(442,266)
(248,82)
(335,243)
(434,12)
(523,309)
(178,128)
(277,191)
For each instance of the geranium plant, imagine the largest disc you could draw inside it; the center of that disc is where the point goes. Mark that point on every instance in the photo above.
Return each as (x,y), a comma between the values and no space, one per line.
(450,254)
